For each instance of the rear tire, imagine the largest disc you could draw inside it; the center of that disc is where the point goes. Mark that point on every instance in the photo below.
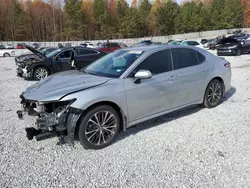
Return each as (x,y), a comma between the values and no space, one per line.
(6,55)
(40,73)
(99,127)
(213,94)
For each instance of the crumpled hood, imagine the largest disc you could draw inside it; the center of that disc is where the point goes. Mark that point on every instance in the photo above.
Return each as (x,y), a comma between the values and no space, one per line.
(26,57)
(58,85)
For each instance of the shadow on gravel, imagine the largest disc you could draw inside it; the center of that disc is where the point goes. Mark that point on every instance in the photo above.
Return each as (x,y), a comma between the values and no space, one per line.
(167,118)
(229,94)
(158,121)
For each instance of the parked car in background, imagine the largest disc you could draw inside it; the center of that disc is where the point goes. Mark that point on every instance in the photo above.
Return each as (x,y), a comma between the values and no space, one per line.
(35,45)
(231,46)
(87,45)
(59,60)
(175,42)
(9,46)
(2,46)
(192,43)
(7,53)
(204,41)
(240,37)
(19,46)
(36,54)
(213,44)
(143,43)
(111,46)
(123,89)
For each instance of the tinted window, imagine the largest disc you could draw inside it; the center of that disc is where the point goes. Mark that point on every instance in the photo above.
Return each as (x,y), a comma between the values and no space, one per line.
(114,45)
(184,57)
(83,51)
(53,53)
(201,58)
(193,43)
(65,54)
(94,52)
(156,63)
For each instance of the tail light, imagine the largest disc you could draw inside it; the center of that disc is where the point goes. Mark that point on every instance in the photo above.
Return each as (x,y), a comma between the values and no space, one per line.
(227,64)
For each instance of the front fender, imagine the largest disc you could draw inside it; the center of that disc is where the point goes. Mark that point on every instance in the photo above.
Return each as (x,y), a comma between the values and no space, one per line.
(112,91)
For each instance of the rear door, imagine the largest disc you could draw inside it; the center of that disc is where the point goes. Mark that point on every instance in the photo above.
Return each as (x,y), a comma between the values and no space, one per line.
(62,61)
(193,71)
(85,56)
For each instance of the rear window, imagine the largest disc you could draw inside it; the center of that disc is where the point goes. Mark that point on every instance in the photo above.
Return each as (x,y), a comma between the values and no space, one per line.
(114,45)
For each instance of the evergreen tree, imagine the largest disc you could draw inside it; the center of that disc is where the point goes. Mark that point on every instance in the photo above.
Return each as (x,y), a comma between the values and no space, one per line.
(166,16)
(144,12)
(76,20)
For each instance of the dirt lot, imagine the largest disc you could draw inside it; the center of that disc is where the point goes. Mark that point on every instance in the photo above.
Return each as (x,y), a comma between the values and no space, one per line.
(193,148)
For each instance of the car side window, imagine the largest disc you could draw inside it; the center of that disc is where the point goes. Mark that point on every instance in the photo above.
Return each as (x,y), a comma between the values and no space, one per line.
(185,43)
(193,43)
(156,63)
(184,57)
(93,52)
(113,45)
(83,52)
(65,54)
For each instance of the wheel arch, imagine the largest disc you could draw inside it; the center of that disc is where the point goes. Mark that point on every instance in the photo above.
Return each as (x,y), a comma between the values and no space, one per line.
(6,53)
(109,103)
(221,81)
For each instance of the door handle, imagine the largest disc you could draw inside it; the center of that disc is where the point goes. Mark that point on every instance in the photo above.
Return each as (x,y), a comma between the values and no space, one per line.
(205,69)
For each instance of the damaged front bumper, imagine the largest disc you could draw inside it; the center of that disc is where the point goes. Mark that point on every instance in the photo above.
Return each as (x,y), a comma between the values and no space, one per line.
(49,120)
(24,72)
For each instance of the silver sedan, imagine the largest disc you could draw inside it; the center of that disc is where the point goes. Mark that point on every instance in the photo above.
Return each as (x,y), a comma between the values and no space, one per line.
(122,89)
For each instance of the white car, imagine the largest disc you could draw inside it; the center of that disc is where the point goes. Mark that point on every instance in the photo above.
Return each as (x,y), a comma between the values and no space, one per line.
(87,45)
(7,53)
(192,43)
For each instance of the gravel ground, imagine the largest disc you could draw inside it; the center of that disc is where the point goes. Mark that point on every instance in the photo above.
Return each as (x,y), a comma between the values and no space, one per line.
(193,148)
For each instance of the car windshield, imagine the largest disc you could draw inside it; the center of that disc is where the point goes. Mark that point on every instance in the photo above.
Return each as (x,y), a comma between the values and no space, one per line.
(113,64)
(53,53)
(42,51)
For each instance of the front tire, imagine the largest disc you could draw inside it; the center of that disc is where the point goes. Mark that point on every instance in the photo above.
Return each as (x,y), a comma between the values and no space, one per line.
(6,55)
(40,73)
(99,127)
(213,94)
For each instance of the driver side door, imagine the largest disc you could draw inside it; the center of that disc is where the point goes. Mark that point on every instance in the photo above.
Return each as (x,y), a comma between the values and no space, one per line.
(156,94)
(62,61)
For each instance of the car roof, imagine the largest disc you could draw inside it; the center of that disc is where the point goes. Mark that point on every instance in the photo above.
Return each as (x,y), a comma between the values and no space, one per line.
(150,48)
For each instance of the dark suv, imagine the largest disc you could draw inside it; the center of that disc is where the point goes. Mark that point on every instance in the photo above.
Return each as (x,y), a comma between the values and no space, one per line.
(111,46)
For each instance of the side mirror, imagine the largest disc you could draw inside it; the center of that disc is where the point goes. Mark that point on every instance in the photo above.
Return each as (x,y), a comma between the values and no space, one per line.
(54,58)
(142,74)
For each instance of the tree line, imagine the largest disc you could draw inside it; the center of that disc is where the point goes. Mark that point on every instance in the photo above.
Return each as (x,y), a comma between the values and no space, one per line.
(54,20)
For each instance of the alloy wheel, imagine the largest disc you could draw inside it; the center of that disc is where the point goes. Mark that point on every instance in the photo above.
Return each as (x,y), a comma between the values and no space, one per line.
(41,73)
(101,128)
(214,93)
